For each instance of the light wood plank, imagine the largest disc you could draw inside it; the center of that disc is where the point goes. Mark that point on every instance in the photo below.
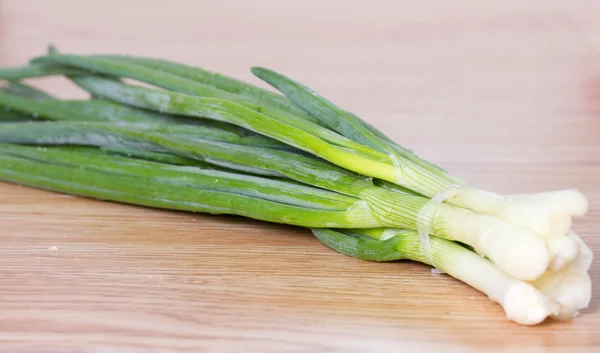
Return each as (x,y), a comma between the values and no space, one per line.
(504,93)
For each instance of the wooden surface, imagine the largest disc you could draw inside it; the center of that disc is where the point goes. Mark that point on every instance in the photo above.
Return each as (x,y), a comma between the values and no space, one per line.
(504,93)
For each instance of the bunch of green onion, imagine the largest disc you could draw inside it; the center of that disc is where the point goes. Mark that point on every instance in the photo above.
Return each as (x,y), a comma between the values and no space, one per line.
(194,140)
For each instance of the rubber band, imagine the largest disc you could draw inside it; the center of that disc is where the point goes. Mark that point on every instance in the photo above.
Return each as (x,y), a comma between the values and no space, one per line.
(424,221)
(423,228)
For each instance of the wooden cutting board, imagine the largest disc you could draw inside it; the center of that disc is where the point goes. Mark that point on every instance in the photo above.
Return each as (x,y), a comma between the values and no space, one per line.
(504,93)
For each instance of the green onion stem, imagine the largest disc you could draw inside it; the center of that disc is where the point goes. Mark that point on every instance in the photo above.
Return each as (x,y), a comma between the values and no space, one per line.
(165,79)
(389,208)
(203,177)
(521,301)
(393,209)
(226,111)
(107,111)
(354,128)
(216,80)
(155,192)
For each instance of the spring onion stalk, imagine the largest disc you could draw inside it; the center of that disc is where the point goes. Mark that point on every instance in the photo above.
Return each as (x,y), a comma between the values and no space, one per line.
(512,248)
(190,87)
(199,75)
(503,233)
(106,111)
(569,287)
(205,142)
(63,170)
(410,171)
(91,110)
(239,91)
(157,185)
(569,201)
(25,100)
(77,110)
(216,80)
(219,81)
(521,302)
(234,86)
(543,220)
(157,192)
(212,143)
(225,111)
(230,112)
(218,148)
(199,176)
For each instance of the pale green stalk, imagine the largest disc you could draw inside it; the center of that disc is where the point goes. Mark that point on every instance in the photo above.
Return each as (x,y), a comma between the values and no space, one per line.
(521,302)
(168,189)
(216,80)
(415,173)
(505,245)
(185,85)
(226,111)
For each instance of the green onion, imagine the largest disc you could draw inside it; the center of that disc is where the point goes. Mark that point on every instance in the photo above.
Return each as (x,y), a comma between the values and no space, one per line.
(513,249)
(169,72)
(203,178)
(28,167)
(405,168)
(216,80)
(106,111)
(227,111)
(205,142)
(91,110)
(545,221)
(182,84)
(575,203)
(521,301)
(357,161)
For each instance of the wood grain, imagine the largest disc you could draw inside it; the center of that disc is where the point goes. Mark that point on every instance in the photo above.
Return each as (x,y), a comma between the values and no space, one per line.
(504,93)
